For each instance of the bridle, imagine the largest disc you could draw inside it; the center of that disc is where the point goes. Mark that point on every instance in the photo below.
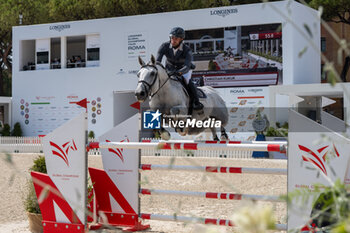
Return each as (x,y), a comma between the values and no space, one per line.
(149,85)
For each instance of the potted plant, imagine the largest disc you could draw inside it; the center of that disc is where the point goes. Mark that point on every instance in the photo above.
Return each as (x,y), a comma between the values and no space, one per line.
(31,202)
(278,133)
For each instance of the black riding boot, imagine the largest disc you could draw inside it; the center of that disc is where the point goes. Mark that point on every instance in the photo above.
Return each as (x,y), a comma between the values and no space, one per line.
(193,93)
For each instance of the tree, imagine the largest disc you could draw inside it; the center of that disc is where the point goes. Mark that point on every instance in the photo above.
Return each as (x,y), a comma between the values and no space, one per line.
(337,11)
(33,12)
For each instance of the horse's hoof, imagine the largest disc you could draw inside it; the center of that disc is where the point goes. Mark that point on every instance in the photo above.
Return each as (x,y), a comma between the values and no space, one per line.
(165,135)
(224,138)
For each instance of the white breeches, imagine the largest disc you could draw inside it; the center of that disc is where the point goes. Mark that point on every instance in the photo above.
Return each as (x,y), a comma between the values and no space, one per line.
(187,76)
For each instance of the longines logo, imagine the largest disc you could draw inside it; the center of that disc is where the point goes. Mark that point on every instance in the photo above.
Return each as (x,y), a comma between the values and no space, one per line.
(224,12)
(59,27)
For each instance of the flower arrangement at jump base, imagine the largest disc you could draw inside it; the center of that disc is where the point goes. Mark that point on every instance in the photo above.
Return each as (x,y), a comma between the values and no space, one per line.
(254,218)
(31,202)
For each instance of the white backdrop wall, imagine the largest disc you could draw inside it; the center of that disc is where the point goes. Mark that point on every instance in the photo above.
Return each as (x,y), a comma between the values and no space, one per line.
(54,89)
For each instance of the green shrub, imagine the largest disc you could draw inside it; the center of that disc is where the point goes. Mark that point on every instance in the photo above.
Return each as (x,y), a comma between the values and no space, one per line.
(91,134)
(6,131)
(268,56)
(39,165)
(17,131)
(31,202)
(211,65)
(278,131)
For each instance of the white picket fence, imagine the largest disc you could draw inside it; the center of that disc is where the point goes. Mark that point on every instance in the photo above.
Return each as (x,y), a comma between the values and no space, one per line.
(21,145)
(34,145)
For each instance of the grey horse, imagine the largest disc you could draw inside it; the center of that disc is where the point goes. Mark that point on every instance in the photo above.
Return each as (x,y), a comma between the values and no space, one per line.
(169,96)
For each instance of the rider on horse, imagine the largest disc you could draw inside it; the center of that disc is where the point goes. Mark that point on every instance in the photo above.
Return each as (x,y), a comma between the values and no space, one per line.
(179,61)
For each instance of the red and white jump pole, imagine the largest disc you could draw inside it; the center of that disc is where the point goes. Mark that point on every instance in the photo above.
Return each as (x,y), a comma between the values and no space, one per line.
(214,169)
(216,142)
(211,195)
(176,218)
(188,146)
(207,221)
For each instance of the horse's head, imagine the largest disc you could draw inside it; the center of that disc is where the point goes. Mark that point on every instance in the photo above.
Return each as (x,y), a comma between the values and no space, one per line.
(147,77)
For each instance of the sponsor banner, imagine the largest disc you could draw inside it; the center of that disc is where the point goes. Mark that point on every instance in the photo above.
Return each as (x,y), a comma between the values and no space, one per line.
(93,41)
(137,45)
(64,151)
(42,45)
(121,165)
(316,156)
(231,40)
(232,78)
(242,104)
(265,36)
(42,48)
(42,114)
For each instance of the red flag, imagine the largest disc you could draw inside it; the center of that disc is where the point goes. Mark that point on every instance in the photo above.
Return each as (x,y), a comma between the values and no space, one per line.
(82,103)
(136,105)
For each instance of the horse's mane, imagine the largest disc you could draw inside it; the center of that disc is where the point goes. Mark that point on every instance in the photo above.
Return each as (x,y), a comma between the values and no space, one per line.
(161,65)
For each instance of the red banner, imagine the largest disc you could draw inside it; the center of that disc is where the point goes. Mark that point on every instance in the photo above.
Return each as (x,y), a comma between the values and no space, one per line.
(265,35)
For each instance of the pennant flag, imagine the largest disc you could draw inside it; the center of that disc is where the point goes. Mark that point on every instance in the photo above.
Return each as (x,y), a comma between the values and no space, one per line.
(82,103)
(136,105)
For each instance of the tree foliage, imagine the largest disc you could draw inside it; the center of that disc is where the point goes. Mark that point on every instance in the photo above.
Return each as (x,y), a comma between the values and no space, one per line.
(334,10)
(33,12)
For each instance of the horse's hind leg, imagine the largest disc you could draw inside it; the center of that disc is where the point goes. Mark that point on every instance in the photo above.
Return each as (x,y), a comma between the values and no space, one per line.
(215,136)
(224,136)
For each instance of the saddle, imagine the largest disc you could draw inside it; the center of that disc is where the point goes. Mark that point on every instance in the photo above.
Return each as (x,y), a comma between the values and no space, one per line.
(180,79)
(200,92)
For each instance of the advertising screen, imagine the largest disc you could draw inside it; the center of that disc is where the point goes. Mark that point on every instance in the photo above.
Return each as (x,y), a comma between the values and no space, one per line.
(237,56)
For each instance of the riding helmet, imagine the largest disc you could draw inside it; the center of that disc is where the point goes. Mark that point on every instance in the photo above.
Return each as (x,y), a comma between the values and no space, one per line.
(178,32)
